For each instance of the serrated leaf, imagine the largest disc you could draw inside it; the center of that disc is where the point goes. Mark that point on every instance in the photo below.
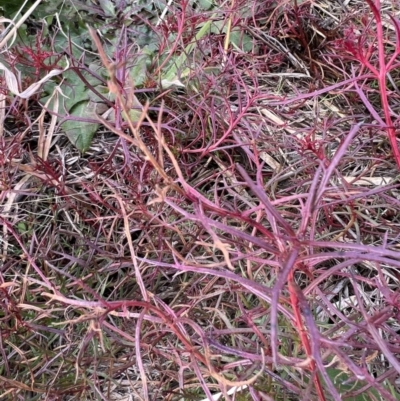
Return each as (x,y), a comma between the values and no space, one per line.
(80,133)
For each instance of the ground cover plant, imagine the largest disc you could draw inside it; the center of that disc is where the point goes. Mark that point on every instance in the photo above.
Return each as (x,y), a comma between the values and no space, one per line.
(199,200)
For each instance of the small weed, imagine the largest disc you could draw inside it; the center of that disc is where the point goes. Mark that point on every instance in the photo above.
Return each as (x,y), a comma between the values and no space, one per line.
(199,200)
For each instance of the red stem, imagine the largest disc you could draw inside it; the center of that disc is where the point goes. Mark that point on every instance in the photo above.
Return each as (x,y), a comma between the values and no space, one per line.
(293,288)
(381,76)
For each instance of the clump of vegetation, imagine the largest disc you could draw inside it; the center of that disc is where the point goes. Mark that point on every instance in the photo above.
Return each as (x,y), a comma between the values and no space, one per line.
(199,200)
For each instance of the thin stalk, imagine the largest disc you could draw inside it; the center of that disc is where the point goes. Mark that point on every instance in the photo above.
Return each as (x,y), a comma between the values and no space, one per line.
(383,70)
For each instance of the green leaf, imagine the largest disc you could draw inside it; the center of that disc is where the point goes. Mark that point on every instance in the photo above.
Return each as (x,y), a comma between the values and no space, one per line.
(108,8)
(344,384)
(81,133)
(22,228)
(237,38)
(241,41)
(139,70)
(80,102)
(12,6)
(205,4)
